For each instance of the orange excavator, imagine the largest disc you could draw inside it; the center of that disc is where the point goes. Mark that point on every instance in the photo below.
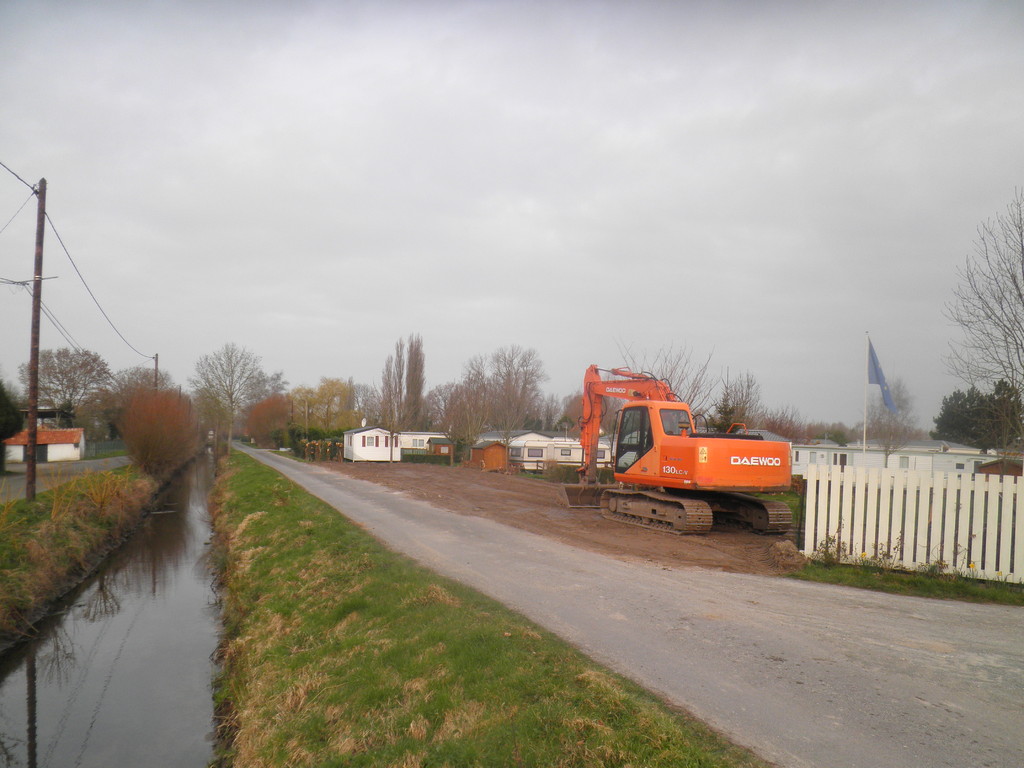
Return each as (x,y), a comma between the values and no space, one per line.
(670,476)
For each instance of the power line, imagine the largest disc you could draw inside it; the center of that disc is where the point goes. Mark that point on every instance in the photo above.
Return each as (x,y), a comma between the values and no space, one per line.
(17,212)
(30,186)
(91,294)
(61,328)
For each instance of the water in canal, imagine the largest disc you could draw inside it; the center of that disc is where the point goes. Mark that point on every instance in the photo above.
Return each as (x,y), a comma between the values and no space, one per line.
(122,675)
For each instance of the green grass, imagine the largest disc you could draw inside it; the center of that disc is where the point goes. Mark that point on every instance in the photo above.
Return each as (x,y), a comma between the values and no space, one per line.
(946,586)
(339,652)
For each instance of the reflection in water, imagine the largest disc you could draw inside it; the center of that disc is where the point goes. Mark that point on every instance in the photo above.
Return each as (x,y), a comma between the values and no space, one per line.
(122,675)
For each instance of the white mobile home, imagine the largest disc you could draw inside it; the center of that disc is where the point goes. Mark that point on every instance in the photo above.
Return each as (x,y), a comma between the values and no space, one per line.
(371,444)
(921,455)
(533,451)
(416,442)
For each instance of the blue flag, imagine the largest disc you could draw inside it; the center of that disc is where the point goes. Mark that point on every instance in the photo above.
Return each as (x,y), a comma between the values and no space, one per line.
(875,376)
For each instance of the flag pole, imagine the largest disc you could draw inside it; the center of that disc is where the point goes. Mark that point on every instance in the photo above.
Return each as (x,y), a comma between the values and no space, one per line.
(864,437)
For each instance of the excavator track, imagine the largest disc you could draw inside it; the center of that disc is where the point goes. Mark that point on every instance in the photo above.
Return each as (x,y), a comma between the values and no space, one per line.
(759,515)
(652,509)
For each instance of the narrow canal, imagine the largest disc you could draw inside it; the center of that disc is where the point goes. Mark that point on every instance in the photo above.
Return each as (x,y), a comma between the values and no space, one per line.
(122,674)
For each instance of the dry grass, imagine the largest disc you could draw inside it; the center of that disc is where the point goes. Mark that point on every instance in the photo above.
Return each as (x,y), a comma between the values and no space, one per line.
(49,543)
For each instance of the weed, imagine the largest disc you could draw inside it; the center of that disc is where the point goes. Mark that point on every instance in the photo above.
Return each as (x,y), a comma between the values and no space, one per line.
(830,551)
(6,508)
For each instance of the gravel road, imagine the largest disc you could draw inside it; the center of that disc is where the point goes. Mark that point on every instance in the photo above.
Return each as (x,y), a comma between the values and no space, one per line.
(804,674)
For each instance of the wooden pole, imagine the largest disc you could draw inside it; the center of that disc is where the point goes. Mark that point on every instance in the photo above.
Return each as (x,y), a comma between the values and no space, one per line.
(33,360)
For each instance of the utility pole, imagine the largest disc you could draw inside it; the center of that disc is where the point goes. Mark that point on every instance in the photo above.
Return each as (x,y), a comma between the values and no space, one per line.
(33,359)
(156,371)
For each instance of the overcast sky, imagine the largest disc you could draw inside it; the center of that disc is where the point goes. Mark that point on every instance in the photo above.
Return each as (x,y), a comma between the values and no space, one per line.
(758,182)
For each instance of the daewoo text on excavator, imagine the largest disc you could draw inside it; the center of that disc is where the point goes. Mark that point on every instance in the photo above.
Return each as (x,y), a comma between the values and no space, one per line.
(669,475)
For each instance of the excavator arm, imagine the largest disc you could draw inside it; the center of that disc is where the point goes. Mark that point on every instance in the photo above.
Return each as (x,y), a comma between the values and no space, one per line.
(627,386)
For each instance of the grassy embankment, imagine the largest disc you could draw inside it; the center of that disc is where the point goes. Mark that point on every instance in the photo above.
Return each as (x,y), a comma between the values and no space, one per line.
(340,652)
(47,545)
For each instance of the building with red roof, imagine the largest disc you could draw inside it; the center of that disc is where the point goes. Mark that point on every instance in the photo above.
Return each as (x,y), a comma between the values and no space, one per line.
(51,445)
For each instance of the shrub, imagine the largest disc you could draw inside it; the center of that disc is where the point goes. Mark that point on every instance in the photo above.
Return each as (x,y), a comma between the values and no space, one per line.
(160,431)
(268,418)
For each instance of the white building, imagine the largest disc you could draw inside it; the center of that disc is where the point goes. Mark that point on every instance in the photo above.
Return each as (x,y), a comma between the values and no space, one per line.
(417,441)
(51,445)
(532,451)
(921,455)
(371,444)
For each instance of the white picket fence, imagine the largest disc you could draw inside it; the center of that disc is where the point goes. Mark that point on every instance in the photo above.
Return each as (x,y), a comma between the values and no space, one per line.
(972,523)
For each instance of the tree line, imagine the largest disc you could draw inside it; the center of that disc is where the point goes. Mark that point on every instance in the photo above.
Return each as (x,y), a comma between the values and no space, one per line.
(501,391)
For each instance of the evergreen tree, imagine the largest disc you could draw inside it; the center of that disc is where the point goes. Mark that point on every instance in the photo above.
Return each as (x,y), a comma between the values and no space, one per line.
(961,419)
(10,421)
(983,420)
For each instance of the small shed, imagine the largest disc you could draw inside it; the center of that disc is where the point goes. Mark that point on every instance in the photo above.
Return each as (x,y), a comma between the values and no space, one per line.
(371,444)
(440,446)
(417,442)
(489,455)
(51,445)
(1002,466)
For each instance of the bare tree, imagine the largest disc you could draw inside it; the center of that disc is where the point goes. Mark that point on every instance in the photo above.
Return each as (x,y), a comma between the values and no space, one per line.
(366,401)
(785,421)
(414,413)
(266,385)
(68,378)
(739,403)
(460,409)
(392,394)
(225,383)
(104,410)
(892,429)
(440,405)
(551,411)
(988,305)
(687,375)
(1003,416)
(474,399)
(515,378)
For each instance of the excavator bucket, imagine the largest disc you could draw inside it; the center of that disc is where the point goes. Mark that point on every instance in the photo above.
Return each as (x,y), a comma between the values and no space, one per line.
(583,494)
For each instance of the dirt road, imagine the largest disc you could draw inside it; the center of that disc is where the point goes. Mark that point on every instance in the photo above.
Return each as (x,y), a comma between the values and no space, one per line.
(533,505)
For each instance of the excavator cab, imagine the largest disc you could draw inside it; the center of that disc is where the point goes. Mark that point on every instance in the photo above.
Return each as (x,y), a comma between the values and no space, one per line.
(676,421)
